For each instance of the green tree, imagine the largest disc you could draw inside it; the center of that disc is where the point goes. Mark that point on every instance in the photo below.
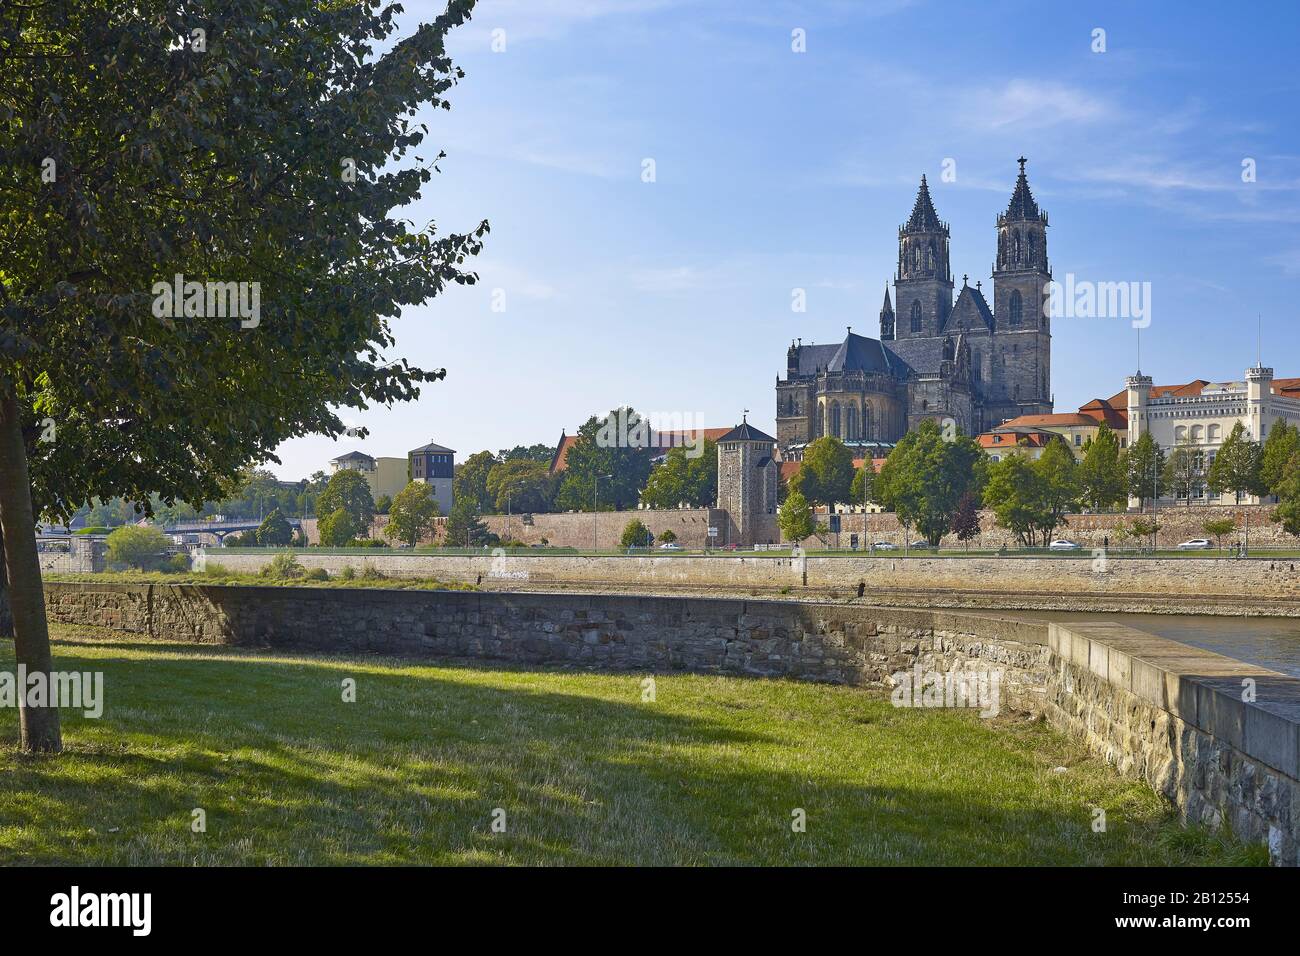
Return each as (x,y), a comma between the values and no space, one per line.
(1184,470)
(825,475)
(539,452)
(1145,463)
(795,518)
(1103,479)
(139,546)
(1216,528)
(383,505)
(411,517)
(1061,489)
(682,480)
(465,528)
(926,475)
(614,446)
(1014,495)
(1282,444)
(520,485)
(1236,467)
(667,536)
(470,481)
(274,530)
(201,163)
(635,534)
(349,491)
(336,529)
(1288,491)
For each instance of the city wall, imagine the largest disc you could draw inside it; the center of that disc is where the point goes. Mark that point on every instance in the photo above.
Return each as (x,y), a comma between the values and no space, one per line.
(574,530)
(1216,736)
(1188,585)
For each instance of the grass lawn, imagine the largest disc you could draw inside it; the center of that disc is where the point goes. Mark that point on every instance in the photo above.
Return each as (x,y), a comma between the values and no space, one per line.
(586,772)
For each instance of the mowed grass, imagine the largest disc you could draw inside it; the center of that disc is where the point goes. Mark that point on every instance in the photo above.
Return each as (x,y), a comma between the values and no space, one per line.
(585,770)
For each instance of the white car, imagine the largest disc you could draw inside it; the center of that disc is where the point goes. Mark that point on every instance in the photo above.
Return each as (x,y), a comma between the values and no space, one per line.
(1196,544)
(883,546)
(1061,544)
(670,546)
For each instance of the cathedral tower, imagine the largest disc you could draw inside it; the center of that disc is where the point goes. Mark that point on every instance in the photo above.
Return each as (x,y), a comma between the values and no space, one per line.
(1022,331)
(923,283)
(886,318)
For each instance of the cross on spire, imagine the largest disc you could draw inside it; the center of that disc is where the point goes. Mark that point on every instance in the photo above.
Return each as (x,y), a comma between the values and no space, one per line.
(1022,162)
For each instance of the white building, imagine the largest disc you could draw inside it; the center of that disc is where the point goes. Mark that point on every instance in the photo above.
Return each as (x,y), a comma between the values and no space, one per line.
(1203,414)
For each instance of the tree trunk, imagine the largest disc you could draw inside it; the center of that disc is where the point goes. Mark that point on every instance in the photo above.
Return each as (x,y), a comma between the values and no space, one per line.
(6,619)
(38,726)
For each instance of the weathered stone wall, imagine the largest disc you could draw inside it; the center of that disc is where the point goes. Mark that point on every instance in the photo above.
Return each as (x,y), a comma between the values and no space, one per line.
(1218,737)
(1056,581)
(1164,712)
(691,525)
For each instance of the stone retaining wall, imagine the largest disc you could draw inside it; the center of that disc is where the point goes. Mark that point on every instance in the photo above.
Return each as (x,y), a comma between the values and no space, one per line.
(1164,712)
(1197,580)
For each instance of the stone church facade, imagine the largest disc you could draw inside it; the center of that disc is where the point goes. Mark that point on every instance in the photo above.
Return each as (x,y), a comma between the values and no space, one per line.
(975,362)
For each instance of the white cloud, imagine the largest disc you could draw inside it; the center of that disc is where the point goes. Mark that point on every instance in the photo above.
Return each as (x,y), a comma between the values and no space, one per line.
(1027,104)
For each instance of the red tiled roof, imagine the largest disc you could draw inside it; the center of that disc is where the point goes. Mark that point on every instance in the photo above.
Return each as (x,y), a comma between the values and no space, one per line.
(1060,420)
(666,441)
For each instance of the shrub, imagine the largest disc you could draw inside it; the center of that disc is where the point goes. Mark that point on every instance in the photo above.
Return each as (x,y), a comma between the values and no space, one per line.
(367,543)
(348,572)
(668,536)
(317,574)
(283,567)
(371,573)
(138,546)
(218,571)
(98,529)
(636,534)
(336,529)
(179,563)
(275,530)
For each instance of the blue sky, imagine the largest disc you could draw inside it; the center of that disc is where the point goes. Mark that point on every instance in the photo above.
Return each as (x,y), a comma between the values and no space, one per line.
(777,170)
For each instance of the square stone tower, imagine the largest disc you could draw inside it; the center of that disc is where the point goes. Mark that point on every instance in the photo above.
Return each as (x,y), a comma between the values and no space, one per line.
(747,480)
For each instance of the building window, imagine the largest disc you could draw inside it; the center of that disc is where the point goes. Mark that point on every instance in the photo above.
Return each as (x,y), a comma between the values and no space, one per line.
(916,315)
(1078,439)
(1016,307)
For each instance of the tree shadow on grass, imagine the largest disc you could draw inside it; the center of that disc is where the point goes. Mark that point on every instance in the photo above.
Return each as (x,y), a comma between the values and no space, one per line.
(420,767)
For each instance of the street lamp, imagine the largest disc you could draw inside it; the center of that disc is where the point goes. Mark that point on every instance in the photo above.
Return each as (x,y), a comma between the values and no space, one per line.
(594,518)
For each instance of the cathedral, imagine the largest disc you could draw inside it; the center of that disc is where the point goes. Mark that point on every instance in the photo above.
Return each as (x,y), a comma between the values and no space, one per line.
(976,363)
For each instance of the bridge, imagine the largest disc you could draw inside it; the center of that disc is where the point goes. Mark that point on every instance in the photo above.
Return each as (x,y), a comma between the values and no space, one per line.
(219,529)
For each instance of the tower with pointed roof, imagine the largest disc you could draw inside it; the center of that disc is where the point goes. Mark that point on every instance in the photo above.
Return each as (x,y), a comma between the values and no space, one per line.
(976,362)
(747,480)
(923,280)
(1022,350)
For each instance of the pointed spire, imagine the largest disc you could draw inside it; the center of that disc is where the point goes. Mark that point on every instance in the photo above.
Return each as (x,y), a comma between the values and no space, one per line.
(888,307)
(923,218)
(1022,206)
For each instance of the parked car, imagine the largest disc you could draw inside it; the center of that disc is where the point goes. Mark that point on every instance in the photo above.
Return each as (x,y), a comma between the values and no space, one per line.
(670,546)
(1061,544)
(919,543)
(883,546)
(1196,544)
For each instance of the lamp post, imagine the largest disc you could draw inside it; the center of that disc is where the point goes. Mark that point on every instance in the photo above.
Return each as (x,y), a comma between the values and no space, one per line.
(594,517)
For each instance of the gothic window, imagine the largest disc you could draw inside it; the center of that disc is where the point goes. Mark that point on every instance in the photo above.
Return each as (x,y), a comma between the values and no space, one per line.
(916,315)
(932,258)
(868,426)
(1017,248)
(851,423)
(1031,248)
(821,417)
(1017,308)
(835,421)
